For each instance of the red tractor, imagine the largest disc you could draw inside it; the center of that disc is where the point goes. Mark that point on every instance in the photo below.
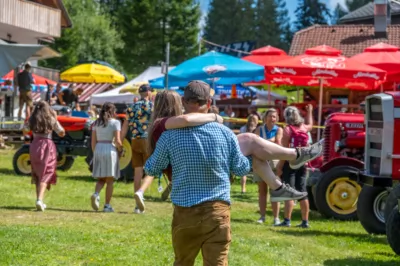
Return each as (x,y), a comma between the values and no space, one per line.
(332,189)
(378,201)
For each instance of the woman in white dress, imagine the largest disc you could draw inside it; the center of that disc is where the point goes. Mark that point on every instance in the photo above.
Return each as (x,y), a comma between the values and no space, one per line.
(106,154)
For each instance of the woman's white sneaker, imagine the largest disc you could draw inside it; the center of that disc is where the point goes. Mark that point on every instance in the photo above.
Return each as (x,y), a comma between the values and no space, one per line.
(95,199)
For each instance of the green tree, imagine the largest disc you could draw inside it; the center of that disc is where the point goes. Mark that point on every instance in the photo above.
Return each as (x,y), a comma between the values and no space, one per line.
(283,21)
(182,19)
(268,30)
(148,25)
(310,12)
(355,4)
(223,22)
(337,14)
(92,37)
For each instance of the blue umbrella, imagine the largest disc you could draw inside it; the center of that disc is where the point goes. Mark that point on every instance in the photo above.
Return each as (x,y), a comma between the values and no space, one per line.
(213,68)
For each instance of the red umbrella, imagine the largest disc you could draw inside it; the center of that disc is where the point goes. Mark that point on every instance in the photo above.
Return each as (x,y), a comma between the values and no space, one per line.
(263,56)
(350,84)
(38,80)
(324,62)
(385,57)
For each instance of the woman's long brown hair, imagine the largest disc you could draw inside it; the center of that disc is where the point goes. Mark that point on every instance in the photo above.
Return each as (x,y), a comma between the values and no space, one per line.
(166,104)
(43,119)
(107,112)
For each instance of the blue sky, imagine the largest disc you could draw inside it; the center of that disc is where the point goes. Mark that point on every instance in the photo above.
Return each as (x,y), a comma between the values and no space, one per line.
(291,4)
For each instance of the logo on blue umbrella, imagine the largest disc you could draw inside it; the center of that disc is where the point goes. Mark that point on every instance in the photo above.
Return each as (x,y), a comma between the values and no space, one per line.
(210,70)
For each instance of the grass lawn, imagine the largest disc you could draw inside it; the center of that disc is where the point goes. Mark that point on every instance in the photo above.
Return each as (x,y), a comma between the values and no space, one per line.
(70,233)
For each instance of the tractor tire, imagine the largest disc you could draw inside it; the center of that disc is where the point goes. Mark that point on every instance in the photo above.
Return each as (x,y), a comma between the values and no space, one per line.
(370,209)
(393,230)
(391,201)
(21,162)
(310,196)
(126,160)
(336,194)
(65,163)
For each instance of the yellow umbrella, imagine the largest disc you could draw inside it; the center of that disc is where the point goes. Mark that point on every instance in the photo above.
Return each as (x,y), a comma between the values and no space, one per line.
(92,73)
(132,88)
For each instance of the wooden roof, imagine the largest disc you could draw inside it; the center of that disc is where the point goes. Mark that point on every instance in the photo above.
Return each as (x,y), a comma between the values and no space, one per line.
(350,39)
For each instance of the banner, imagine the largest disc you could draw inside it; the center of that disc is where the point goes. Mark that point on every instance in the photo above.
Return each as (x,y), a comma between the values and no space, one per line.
(246,46)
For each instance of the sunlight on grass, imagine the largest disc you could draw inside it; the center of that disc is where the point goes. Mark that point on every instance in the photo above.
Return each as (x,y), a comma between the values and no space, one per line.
(70,233)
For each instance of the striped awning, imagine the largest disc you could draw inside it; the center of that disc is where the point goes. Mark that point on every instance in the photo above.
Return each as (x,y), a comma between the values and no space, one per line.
(88,90)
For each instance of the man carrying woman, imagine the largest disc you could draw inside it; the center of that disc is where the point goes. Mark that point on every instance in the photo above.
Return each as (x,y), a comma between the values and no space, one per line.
(200,159)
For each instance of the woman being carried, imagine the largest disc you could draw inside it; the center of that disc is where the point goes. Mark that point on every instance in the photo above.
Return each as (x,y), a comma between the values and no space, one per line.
(167,114)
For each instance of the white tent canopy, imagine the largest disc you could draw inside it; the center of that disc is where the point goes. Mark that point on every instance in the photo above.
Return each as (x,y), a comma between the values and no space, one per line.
(114,96)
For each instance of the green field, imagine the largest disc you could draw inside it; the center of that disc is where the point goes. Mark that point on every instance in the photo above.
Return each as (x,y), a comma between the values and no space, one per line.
(70,233)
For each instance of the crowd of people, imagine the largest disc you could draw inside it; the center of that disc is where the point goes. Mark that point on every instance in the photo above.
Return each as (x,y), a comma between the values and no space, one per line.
(188,141)
(67,97)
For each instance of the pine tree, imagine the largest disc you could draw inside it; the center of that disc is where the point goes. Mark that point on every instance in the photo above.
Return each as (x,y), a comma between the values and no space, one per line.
(223,22)
(140,23)
(337,14)
(183,17)
(268,30)
(283,20)
(310,12)
(355,4)
(91,38)
(148,25)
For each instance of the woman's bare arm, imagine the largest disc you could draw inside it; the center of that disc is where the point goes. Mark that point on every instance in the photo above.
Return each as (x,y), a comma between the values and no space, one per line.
(94,140)
(279,135)
(309,121)
(117,137)
(191,120)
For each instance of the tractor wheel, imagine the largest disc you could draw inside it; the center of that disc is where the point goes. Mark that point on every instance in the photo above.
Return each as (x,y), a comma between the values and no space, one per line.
(310,196)
(371,207)
(22,162)
(393,230)
(336,194)
(125,160)
(391,201)
(65,163)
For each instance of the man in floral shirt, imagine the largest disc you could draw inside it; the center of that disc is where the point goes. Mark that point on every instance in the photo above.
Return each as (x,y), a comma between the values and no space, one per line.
(137,120)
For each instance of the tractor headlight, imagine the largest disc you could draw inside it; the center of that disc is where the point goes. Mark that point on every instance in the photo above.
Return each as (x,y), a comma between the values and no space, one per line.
(337,146)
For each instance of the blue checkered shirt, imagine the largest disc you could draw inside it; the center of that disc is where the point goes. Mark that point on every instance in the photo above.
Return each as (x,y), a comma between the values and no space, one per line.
(202,159)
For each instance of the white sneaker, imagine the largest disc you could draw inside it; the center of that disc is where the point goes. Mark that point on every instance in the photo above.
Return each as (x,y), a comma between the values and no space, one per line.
(261,220)
(95,198)
(276,221)
(108,208)
(137,211)
(40,206)
(139,201)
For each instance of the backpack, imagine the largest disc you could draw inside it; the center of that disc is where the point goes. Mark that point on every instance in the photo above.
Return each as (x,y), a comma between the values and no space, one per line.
(298,138)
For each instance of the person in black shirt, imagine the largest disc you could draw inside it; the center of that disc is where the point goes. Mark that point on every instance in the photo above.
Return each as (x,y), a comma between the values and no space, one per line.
(70,97)
(25,80)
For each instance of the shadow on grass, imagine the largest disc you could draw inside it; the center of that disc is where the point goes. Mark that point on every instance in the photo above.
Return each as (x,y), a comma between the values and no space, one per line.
(21,208)
(147,198)
(6,171)
(242,197)
(359,261)
(358,236)
(244,221)
(87,179)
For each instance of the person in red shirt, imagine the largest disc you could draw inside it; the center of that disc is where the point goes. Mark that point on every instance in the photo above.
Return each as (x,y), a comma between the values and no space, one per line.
(168,114)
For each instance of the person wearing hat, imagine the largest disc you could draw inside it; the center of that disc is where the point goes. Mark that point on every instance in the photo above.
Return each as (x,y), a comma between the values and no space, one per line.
(137,121)
(202,159)
(70,97)
(25,80)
